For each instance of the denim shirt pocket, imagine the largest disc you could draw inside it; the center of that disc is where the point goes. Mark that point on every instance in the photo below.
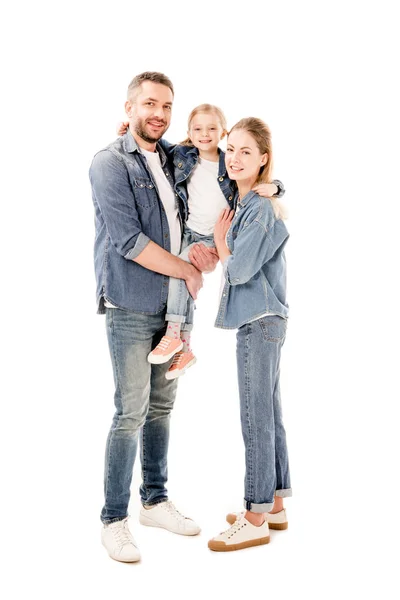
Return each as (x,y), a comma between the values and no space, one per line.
(145,192)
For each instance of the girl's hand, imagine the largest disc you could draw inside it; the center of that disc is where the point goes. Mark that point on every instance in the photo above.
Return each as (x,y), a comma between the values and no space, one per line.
(122,127)
(267,190)
(222,226)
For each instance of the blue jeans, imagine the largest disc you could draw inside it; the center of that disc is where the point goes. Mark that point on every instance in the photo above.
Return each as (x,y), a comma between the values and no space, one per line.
(143,401)
(180,303)
(259,346)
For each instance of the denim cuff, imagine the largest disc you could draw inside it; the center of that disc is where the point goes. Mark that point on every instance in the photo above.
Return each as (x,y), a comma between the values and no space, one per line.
(258,508)
(141,243)
(175,318)
(284,493)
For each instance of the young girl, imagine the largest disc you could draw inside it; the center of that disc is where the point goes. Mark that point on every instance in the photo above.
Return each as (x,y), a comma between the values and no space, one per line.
(251,245)
(204,188)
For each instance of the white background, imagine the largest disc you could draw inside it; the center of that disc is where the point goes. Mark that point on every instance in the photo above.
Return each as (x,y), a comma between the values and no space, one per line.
(323,76)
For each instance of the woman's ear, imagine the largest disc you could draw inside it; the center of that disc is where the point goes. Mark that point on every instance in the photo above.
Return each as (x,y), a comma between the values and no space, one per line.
(264,160)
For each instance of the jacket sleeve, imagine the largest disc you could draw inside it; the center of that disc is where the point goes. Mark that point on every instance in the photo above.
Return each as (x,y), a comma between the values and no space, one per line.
(114,196)
(253,247)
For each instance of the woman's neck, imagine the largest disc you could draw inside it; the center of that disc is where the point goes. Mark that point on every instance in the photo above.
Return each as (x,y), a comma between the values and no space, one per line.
(244,187)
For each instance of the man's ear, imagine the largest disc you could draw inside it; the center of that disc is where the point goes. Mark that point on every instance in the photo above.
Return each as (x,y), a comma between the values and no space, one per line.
(128,108)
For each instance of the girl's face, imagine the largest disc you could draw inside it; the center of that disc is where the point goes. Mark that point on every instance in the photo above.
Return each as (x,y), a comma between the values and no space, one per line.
(243,158)
(206,131)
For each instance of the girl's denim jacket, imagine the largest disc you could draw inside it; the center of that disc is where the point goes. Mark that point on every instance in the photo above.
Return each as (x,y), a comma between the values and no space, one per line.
(184,159)
(255,273)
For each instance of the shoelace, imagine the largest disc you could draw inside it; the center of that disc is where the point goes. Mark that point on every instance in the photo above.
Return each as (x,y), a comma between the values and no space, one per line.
(122,535)
(177,358)
(234,528)
(164,343)
(174,512)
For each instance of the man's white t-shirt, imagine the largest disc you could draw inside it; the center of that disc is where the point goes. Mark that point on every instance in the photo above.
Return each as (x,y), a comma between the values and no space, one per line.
(167,196)
(206,201)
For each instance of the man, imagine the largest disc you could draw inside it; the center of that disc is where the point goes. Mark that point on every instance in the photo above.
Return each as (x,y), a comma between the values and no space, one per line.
(138,237)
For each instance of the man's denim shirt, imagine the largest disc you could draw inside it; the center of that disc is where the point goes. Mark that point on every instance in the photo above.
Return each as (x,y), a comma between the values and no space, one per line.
(184,160)
(128,214)
(255,273)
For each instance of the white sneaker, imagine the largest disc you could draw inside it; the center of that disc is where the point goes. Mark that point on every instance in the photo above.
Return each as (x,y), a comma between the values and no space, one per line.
(275,520)
(119,542)
(165,515)
(242,534)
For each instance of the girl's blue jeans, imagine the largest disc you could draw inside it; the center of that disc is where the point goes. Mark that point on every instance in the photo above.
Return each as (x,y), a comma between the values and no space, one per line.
(180,305)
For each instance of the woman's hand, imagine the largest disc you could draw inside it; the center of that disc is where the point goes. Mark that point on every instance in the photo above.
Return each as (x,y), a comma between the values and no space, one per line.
(122,127)
(220,230)
(222,226)
(267,190)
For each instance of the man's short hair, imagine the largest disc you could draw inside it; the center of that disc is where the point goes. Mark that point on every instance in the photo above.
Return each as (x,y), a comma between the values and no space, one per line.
(148,76)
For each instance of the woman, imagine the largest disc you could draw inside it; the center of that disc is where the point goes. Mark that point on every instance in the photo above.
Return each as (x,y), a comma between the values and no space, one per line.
(251,245)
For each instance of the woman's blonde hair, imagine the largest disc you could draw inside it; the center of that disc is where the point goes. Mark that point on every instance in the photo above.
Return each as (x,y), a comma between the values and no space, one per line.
(205,108)
(261,134)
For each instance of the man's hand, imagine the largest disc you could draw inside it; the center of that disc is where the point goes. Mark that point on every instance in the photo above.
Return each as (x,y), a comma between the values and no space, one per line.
(205,259)
(194,281)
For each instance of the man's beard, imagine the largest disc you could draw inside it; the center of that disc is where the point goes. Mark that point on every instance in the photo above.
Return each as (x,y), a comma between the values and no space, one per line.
(139,129)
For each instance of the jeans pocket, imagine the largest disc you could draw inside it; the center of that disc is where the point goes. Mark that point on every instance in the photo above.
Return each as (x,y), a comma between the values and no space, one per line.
(273,328)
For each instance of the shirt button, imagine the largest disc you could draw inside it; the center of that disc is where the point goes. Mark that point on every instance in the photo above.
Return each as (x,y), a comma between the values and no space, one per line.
(230,197)
(165,283)
(150,186)
(167,174)
(166,235)
(180,165)
(220,178)
(141,185)
(224,295)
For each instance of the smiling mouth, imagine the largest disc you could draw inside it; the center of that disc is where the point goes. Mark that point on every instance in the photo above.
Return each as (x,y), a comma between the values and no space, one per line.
(235,169)
(156,124)
(205,141)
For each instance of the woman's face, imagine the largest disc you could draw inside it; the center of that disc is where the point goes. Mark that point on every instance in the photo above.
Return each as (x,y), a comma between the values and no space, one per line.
(243,159)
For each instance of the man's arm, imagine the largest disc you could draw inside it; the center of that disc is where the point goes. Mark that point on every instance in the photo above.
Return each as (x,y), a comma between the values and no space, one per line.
(113,194)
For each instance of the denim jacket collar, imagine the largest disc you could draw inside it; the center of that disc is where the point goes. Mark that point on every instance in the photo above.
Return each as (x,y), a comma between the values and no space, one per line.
(131,145)
(246,199)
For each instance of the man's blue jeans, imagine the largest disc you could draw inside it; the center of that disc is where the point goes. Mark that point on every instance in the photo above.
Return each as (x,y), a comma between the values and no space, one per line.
(259,346)
(143,401)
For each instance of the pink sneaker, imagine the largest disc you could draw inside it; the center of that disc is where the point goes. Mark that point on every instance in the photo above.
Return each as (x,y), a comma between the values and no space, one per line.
(181,362)
(164,350)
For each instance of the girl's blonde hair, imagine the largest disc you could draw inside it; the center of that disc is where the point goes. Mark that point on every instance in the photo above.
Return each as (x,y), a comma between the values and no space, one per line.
(204,108)
(261,134)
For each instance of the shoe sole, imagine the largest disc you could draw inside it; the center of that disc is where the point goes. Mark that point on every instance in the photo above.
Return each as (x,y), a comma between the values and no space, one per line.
(131,560)
(277,526)
(180,372)
(144,520)
(222,547)
(160,360)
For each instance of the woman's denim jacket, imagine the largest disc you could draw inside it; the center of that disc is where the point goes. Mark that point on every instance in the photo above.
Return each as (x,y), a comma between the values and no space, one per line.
(255,273)
(184,160)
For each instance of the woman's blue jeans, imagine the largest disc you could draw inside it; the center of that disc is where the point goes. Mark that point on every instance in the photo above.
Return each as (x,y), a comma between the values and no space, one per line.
(259,346)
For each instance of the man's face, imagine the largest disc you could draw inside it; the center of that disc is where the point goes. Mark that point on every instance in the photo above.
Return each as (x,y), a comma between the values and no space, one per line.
(149,111)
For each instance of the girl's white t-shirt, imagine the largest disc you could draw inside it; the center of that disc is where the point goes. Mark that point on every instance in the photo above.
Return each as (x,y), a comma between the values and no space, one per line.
(205,199)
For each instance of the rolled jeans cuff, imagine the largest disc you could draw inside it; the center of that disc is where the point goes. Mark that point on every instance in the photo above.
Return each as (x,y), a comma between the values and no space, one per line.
(258,508)
(175,318)
(187,327)
(284,493)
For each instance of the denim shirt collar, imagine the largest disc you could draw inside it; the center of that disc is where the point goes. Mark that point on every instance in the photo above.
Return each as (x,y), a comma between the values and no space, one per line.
(131,145)
(246,199)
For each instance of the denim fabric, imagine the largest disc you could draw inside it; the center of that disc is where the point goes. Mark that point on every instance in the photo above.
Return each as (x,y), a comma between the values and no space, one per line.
(180,303)
(128,214)
(143,401)
(255,273)
(184,159)
(267,468)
